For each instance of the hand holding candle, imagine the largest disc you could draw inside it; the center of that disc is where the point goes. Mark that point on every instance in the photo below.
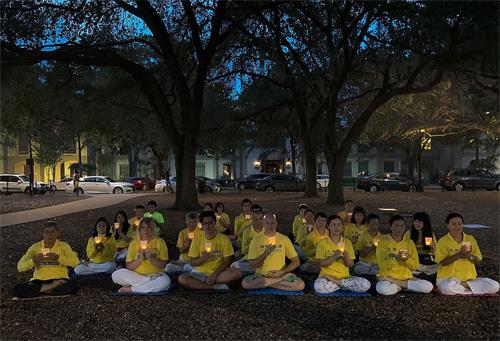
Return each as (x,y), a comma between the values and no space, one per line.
(208,247)
(117,226)
(144,244)
(428,241)
(98,239)
(247,216)
(199,226)
(45,251)
(403,253)
(466,246)
(341,246)
(304,220)
(191,235)
(375,242)
(271,240)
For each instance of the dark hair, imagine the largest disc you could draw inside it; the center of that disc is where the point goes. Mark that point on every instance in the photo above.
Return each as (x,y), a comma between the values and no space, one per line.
(426,231)
(246,200)
(256,207)
(308,210)
(108,228)
(51,223)
(152,202)
(372,216)
(209,205)
(395,218)
(332,217)
(303,206)
(358,209)
(345,202)
(453,215)
(125,225)
(141,207)
(219,204)
(258,211)
(205,214)
(320,215)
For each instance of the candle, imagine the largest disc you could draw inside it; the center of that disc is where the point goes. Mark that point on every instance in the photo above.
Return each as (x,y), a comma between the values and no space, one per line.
(191,235)
(375,242)
(117,226)
(247,216)
(144,244)
(428,241)
(341,246)
(403,253)
(199,226)
(98,239)
(218,216)
(45,251)
(468,245)
(349,214)
(208,246)
(272,240)
(303,220)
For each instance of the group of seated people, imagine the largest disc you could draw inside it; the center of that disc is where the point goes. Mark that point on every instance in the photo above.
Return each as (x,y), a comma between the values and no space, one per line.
(340,249)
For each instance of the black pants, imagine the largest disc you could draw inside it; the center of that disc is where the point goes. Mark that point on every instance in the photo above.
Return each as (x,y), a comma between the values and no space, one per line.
(32,289)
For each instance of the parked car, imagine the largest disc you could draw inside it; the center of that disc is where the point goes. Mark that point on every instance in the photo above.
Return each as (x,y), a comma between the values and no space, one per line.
(100,184)
(61,184)
(387,182)
(461,179)
(209,183)
(140,182)
(322,182)
(250,180)
(280,182)
(161,184)
(19,183)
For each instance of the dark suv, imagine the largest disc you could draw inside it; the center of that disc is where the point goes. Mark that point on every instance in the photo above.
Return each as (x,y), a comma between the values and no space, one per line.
(250,180)
(280,182)
(388,181)
(461,179)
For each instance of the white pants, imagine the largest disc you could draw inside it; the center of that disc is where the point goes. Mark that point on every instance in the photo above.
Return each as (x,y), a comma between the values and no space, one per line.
(94,268)
(353,283)
(141,283)
(414,285)
(478,286)
(121,254)
(179,267)
(242,265)
(362,268)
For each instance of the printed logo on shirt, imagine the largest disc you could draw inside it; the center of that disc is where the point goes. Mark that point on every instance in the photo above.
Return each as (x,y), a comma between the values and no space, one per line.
(49,263)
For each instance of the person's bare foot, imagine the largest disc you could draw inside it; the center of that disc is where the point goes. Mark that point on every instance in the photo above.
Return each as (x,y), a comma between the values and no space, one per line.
(125,289)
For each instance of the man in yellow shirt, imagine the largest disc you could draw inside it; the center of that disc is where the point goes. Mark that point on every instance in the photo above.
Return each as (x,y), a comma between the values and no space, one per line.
(184,240)
(367,247)
(256,229)
(458,254)
(267,255)
(346,214)
(396,258)
(242,222)
(146,260)
(50,259)
(210,254)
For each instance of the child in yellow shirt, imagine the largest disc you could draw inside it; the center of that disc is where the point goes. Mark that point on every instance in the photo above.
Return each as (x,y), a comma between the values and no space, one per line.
(101,249)
(255,230)
(367,246)
(299,220)
(346,214)
(356,226)
(397,257)
(336,255)
(242,222)
(184,240)
(49,258)
(302,232)
(319,232)
(458,254)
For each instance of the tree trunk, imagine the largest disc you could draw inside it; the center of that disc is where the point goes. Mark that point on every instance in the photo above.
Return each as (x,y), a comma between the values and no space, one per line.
(311,167)
(336,166)
(133,157)
(294,155)
(185,162)
(158,164)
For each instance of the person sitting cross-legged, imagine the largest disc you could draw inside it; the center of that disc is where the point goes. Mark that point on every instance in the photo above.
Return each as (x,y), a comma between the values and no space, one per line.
(397,257)
(50,259)
(367,247)
(267,255)
(184,240)
(336,255)
(458,254)
(318,233)
(146,260)
(210,254)
(256,229)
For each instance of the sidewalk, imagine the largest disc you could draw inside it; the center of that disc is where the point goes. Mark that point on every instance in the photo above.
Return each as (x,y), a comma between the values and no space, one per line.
(94,201)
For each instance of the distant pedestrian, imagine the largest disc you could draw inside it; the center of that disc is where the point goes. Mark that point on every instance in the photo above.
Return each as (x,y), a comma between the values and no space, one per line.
(76,181)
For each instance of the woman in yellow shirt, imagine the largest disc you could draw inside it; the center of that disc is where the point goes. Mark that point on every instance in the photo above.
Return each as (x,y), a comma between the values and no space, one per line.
(298,220)
(146,261)
(397,257)
(458,254)
(302,232)
(101,249)
(367,246)
(336,255)
(319,232)
(123,233)
(357,225)
(223,219)
(50,259)
(425,241)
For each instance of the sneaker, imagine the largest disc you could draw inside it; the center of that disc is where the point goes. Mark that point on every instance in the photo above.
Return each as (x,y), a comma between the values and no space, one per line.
(221,287)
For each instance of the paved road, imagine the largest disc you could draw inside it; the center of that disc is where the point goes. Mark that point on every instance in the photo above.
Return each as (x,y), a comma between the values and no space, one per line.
(95,201)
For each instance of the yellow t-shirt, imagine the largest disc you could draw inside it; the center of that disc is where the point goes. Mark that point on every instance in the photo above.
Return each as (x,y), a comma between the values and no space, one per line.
(366,240)
(105,255)
(387,250)
(301,238)
(419,245)
(223,217)
(220,247)
(181,241)
(49,270)
(297,221)
(160,251)
(344,215)
(240,222)
(463,268)
(132,230)
(248,235)
(276,260)
(326,248)
(312,241)
(351,230)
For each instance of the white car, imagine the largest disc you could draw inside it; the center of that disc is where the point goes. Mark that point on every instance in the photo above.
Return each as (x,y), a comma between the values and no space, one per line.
(162,184)
(61,184)
(19,183)
(100,184)
(322,182)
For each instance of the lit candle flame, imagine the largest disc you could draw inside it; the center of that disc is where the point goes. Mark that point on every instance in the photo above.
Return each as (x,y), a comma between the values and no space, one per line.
(304,220)
(199,226)
(428,241)
(272,240)
(375,242)
(467,245)
(403,253)
(247,216)
(117,226)
(341,246)
(208,246)
(98,240)
(45,251)
(144,244)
